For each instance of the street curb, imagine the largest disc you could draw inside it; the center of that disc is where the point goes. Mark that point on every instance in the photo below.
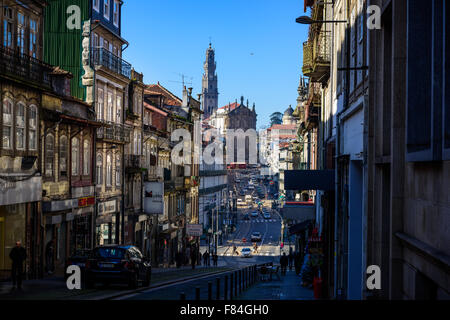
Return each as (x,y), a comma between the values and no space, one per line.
(115,296)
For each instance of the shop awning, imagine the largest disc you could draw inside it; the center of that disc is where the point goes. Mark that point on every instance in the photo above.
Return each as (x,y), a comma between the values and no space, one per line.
(299,227)
(299,211)
(309,180)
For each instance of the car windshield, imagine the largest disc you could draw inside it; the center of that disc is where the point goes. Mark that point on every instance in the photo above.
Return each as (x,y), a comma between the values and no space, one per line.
(246,249)
(115,253)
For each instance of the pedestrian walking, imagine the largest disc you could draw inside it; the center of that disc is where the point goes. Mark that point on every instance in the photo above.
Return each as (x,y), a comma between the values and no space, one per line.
(199,257)
(205,258)
(49,255)
(215,259)
(284,263)
(193,258)
(18,255)
(291,260)
(297,263)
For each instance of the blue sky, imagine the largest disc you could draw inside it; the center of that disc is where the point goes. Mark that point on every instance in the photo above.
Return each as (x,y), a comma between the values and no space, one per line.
(258,47)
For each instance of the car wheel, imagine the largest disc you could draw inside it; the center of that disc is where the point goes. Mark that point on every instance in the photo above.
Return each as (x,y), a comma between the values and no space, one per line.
(133,283)
(90,284)
(147,280)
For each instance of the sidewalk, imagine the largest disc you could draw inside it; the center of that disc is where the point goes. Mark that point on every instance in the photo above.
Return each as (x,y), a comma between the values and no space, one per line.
(55,287)
(288,288)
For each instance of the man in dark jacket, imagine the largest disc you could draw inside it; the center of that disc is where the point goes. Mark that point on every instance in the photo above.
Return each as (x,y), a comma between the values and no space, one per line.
(193,257)
(283,262)
(18,255)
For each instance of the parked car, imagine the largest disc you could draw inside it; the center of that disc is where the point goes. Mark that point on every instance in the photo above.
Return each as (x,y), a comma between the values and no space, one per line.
(118,264)
(256,237)
(266,215)
(255,214)
(246,252)
(79,258)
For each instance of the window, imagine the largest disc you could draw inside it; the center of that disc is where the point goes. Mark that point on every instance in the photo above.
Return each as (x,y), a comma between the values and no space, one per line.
(100,107)
(99,167)
(8,27)
(33,37)
(95,42)
(20,126)
(106,8)
(96,5)
(86,157)
(361,20)
(116,13)
(110,107)
(108,171)
(63,156)
(49,155)
(118,109)
(7,124)
(139,146)
(75,156)
(21,32)
(118,171)
(32,127)
(135,142)
(105,44)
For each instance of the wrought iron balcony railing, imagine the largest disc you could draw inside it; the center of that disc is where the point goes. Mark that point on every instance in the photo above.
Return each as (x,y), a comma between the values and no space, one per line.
(307,58)
(24,68)
(114,132)
(134,161)
(105,58)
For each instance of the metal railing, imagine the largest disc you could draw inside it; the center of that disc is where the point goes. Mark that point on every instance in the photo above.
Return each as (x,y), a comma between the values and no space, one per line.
(24,68)
(105,58)
(134,161)
(322,48)
(114,132)
(307,57)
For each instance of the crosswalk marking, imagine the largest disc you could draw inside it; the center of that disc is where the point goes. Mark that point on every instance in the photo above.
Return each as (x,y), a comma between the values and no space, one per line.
(260,221)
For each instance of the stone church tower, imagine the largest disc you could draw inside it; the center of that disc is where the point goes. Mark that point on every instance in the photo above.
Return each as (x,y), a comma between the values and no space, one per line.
(210,93)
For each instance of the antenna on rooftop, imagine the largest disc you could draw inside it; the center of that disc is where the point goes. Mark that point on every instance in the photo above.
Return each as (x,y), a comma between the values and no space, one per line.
(183,82)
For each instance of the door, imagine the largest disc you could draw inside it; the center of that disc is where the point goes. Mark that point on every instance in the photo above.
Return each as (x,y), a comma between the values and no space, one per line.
(2,243)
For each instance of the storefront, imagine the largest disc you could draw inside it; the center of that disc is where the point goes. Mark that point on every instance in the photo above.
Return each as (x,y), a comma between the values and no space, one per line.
(19,221)
(67,230)
(106,222)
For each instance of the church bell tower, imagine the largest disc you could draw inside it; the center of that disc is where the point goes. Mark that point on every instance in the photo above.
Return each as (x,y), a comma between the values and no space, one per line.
(210,93)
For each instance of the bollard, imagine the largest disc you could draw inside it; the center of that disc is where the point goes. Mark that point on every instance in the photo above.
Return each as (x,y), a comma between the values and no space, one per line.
(240,282)
(197,293)
(182,296)
(225,289)
(218,289)
(235,283)
(231,286)
(209,290)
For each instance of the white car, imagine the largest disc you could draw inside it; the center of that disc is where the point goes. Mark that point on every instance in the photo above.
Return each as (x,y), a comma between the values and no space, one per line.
(246,252)
(256,237)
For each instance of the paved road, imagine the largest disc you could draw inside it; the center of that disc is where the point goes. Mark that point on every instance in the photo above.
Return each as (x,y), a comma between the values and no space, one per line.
(269,251)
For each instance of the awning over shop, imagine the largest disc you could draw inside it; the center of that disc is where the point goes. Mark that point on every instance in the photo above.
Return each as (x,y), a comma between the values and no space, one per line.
(299,227)
(299,211)
(309,180)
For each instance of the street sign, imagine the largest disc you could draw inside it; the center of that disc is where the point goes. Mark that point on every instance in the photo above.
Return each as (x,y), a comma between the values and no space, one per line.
(154,198)
(194,230)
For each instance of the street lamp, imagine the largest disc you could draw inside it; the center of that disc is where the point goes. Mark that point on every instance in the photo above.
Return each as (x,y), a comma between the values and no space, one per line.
(308,20)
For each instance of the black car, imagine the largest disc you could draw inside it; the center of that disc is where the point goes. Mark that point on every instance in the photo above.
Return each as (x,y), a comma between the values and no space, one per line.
(79,259)
(118,264)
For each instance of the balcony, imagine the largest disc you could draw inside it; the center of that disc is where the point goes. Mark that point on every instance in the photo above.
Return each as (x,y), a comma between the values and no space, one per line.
(136,76)
(133,163)
(24,68)
(114,132)
(317,56)
(104,58)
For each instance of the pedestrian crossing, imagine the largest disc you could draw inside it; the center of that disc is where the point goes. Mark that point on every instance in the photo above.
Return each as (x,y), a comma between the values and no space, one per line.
(266,254)
(260,221)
